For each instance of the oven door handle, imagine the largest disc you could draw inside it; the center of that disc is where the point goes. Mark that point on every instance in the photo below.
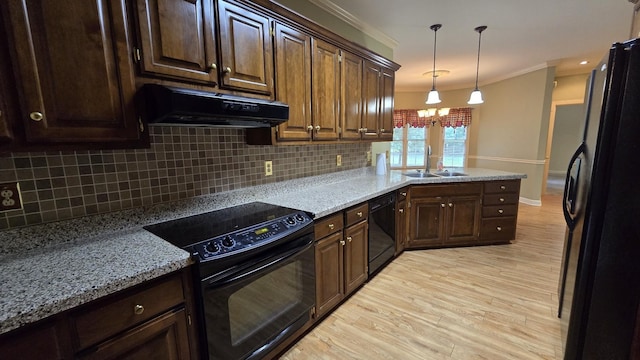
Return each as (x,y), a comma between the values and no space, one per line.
(246,272)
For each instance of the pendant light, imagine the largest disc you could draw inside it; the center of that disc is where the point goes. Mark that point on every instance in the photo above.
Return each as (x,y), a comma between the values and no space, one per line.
(476,95)
(434,97)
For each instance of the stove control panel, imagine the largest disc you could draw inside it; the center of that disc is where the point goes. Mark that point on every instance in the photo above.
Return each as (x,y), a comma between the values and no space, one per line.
(246,239)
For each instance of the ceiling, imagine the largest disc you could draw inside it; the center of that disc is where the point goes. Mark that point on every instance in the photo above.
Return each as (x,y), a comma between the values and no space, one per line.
(522,36)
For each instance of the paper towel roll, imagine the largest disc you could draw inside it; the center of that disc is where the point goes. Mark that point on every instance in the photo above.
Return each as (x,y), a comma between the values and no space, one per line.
(381,164)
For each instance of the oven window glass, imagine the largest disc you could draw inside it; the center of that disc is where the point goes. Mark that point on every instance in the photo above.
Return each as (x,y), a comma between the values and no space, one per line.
(264,300)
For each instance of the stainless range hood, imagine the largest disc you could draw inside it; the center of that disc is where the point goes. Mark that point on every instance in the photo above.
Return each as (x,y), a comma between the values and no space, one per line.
(178,106)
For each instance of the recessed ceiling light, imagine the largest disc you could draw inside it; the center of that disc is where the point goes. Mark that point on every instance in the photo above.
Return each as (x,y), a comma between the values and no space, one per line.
(584,62)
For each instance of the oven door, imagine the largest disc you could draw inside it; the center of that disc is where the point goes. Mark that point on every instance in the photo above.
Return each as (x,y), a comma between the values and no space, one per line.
(250,311)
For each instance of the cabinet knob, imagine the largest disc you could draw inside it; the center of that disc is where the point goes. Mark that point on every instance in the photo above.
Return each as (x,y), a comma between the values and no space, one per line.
(450,205)
(364,129)
(213,66)
(401,211)
(499,228)
(501,199)
(502,187)
(36,116)
(349,238)
(443,205)
(382,130)
(500,211)
(403,193)
(342,242)
(359,213)
(227,70)
(331,226)
(310,128)
(138,309)
(317,128)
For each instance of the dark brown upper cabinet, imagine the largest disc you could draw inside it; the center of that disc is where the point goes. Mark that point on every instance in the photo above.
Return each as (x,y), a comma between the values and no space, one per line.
(379,85)
(351,109)
(326,90)
(177,39)
(75,80)
(293,81)
(246,49)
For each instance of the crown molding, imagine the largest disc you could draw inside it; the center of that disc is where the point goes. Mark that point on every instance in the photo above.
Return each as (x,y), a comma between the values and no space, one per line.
(354,21)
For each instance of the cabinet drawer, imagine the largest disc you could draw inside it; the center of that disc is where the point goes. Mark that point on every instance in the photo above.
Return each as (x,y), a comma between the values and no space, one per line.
(356,214)
(115,315)
(446,190)
(500,199)
(328,226)
(498,229)
(499,210)
(502,186)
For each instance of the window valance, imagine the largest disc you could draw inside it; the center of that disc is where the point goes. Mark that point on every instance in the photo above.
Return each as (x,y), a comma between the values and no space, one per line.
(456,117)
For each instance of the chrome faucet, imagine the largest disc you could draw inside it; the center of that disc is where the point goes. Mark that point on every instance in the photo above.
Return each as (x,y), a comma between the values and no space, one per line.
(428,158)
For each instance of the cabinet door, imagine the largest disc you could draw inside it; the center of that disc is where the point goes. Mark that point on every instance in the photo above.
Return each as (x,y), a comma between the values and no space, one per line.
(326,90)
(293,81)
(427,222)
(401,226)
(386,104)
(351,117)
(329,273)
(246,51)
(165,337)
(355,256)
(463,219)
(177,39)
(76,81)
(372,91)
(44,341)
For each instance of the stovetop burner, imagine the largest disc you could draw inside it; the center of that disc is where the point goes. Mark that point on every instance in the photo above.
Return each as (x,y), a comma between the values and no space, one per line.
(237,229)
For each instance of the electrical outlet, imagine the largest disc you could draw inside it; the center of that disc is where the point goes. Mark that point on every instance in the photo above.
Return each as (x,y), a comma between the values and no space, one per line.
(339,160)
(10,198)
(369,156)
(268,168)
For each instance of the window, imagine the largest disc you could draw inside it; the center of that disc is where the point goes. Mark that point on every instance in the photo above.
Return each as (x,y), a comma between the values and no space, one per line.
(454,148)
(414,147)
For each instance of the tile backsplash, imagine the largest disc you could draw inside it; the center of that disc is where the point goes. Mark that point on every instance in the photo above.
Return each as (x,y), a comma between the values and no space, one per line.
(181,163)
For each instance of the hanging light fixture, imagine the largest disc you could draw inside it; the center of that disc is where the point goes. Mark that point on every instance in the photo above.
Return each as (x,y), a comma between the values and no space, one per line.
(434,97)
(476,95)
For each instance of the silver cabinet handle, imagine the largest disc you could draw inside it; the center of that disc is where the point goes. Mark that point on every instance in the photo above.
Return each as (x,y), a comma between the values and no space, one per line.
(500,211)
(443,205)
(138,309)
(401,211)
(36,116)
(450,205)
(359,213)
(501,199)
(499,228)
(502,187)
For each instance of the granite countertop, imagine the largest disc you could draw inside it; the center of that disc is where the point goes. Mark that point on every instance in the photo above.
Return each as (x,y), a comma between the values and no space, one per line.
(49,268)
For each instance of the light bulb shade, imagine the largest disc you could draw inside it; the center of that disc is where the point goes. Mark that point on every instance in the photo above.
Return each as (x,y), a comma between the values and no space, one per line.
(423,113)
(476,98)
(443,112)
(433,97)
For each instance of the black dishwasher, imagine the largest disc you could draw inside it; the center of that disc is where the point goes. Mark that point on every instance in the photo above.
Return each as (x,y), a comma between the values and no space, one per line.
(382,230)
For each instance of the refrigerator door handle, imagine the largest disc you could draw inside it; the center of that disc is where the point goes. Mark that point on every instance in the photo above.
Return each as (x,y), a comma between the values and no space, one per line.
(570,191)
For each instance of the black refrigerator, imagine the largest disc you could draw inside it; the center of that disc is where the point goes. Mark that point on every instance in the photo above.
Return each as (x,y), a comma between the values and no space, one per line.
(599,286)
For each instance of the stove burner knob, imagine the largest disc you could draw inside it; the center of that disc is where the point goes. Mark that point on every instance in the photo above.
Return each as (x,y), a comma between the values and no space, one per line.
(227,241)
(212,247)
(290,221)
(299,217)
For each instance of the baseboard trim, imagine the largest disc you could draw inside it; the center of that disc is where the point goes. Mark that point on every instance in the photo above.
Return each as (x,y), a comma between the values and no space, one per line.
(524,200)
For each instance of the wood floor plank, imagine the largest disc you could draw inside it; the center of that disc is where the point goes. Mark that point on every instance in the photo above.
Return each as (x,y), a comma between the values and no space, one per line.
(489,302)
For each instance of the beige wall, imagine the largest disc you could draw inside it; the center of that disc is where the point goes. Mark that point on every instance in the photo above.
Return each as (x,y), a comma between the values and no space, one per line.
(570,87)
(509,131)
(314,13)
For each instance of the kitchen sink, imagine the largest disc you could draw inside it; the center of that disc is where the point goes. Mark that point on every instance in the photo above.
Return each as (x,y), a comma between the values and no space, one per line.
(450,173)
(420,175)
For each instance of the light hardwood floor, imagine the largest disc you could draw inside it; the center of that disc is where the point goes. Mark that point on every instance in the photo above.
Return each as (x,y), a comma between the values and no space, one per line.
(489,302)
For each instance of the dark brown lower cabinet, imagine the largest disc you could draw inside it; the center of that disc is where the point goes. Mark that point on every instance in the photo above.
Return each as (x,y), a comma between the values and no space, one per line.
(149,321)
(444,215)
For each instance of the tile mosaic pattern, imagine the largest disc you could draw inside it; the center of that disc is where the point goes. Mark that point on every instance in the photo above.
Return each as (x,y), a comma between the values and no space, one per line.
(181,163)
